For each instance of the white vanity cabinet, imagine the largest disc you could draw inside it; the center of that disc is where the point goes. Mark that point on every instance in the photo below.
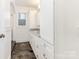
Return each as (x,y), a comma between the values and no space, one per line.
(41,48)
(35,44)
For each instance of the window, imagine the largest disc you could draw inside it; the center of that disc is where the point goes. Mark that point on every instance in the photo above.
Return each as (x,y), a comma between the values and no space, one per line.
(22,19)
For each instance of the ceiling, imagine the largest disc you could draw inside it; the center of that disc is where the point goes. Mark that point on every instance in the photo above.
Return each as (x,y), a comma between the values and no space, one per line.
(32,3)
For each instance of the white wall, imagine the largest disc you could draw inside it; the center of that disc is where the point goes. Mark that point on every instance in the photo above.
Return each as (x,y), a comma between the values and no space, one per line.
(20,33)
(46,21)
(67,29)
(34,18)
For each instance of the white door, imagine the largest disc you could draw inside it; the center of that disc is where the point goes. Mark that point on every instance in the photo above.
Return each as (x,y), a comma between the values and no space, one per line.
(5,37)
(67,29)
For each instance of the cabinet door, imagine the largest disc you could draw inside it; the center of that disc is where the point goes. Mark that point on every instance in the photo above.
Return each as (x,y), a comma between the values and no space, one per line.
(48,51)
(5,38)
(40,48)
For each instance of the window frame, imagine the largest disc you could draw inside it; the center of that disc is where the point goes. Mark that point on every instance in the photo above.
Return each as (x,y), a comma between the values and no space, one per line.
(21,22)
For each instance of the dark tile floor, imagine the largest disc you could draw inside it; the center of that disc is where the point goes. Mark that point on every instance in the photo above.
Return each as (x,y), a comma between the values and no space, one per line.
(23,51)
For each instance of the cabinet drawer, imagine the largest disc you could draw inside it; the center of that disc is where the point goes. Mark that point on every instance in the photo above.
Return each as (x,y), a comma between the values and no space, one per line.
(49,51)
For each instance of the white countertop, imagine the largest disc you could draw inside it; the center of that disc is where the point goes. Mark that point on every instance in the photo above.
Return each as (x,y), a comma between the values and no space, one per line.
(36,33)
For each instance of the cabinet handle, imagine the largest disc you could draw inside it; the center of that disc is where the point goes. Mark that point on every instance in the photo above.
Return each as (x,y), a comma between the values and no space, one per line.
(37,56)
(2,36)
(45,58)
(44,55)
